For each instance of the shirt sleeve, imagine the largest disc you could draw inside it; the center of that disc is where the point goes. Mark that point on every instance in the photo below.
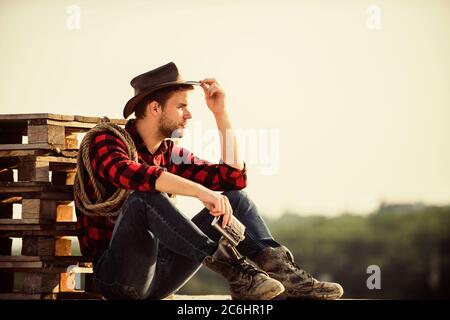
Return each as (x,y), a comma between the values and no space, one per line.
(110,162)
(219,177)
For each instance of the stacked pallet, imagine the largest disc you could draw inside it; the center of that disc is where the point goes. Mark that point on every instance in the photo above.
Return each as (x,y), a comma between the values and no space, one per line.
(37,169)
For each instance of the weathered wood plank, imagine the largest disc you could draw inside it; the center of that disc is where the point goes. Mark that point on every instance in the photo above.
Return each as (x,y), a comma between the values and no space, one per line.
(38,246)
(45,146)
(6,211)
(53,135)
(10,200)
(58,232)
(42,209)
(71,141)
(68,196)
(7,187)
(33,171)
(64,213)
(6,279)
(80,295)
(12,228)
(40,283)
(23,222)
(11,118)
(20,117)
(58,264)
(14,154)
(55,260)
(63,246)
(55,160)
(24,296)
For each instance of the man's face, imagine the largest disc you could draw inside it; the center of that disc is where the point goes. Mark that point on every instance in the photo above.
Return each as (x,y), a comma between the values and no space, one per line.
(175,115)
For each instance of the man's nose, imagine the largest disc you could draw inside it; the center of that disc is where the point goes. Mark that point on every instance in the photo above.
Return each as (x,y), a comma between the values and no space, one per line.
(187,114)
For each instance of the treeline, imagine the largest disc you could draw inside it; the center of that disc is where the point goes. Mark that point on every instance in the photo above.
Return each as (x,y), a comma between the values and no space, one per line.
(410,244)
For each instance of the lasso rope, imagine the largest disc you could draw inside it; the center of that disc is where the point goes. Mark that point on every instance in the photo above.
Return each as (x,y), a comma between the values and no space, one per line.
(102,207)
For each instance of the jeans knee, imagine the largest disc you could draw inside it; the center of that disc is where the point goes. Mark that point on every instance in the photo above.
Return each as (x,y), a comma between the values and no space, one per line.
(146,195)
(235,194)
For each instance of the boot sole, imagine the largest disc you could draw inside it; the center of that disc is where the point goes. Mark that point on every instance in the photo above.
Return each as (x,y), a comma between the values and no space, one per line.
(266,296)
(298,296)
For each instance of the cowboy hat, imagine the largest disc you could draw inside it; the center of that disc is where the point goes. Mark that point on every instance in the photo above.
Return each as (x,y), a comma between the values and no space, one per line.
(146,83)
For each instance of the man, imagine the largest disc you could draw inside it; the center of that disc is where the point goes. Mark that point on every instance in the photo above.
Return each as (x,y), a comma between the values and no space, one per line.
(152,249)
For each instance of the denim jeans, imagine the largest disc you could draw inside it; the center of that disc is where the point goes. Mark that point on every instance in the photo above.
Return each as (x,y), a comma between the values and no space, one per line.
(155,249)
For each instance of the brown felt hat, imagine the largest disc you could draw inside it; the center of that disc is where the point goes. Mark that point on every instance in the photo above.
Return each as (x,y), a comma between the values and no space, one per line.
(146,83)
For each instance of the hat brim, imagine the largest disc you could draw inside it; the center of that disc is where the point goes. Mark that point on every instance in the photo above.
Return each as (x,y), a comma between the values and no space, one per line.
(133,102)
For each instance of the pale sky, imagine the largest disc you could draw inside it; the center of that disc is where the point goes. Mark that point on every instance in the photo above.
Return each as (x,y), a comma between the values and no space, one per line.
(359,96)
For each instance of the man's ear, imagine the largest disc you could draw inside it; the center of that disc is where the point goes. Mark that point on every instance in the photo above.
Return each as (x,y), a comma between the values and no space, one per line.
(153,108)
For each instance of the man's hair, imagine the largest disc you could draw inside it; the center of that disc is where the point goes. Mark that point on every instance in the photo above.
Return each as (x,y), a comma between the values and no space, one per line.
(161,96)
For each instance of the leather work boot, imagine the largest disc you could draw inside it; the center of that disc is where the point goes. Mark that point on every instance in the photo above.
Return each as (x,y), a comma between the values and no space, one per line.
(245,280)
(279,264)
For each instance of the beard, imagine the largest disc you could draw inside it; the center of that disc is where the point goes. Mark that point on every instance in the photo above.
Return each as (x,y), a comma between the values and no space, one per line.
(169,128)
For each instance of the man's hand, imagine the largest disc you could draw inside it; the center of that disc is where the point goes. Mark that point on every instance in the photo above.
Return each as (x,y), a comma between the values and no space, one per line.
(214,95)
(217,204)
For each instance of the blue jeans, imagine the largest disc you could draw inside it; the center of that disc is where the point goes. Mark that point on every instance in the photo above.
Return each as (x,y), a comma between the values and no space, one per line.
(155,249)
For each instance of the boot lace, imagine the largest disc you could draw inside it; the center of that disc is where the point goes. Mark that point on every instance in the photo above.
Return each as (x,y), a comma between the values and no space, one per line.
(246,267)
(303,273)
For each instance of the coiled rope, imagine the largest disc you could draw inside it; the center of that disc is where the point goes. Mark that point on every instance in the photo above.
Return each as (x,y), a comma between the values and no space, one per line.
(111,206)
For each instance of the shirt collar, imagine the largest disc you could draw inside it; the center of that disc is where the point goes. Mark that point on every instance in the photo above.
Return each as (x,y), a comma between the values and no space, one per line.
(139,143)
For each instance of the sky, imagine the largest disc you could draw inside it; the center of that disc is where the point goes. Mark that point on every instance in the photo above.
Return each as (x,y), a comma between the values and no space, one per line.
(341,104)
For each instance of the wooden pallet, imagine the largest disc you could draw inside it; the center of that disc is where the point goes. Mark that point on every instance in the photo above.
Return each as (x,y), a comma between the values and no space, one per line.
(45,162)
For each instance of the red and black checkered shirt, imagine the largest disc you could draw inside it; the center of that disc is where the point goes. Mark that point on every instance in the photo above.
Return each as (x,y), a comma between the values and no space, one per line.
(113,167)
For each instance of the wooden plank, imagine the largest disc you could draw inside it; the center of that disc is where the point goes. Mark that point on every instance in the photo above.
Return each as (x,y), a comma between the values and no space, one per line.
(40,283)
(54,160)
(21,265)
(6,211)
(21,117)
(14,154)
(32,186)
(39,209)
(38,246)
(23,222)
(64,212)
(50,134)
(55,260)
(33,152)
(33,171)
(28,146)
(24,296)
(51,196)
(71,141)
(74,126)
(98,119)
(6,279)
(63,246)
(26,185)
(57,232)
(80,295)
(10,200)
(59,264)
(16,228)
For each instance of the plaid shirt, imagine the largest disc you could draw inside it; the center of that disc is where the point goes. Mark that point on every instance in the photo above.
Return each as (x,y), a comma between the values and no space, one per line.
(113,167)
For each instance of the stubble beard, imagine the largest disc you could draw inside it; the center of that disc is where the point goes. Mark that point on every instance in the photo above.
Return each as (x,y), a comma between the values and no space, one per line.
(169,128)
